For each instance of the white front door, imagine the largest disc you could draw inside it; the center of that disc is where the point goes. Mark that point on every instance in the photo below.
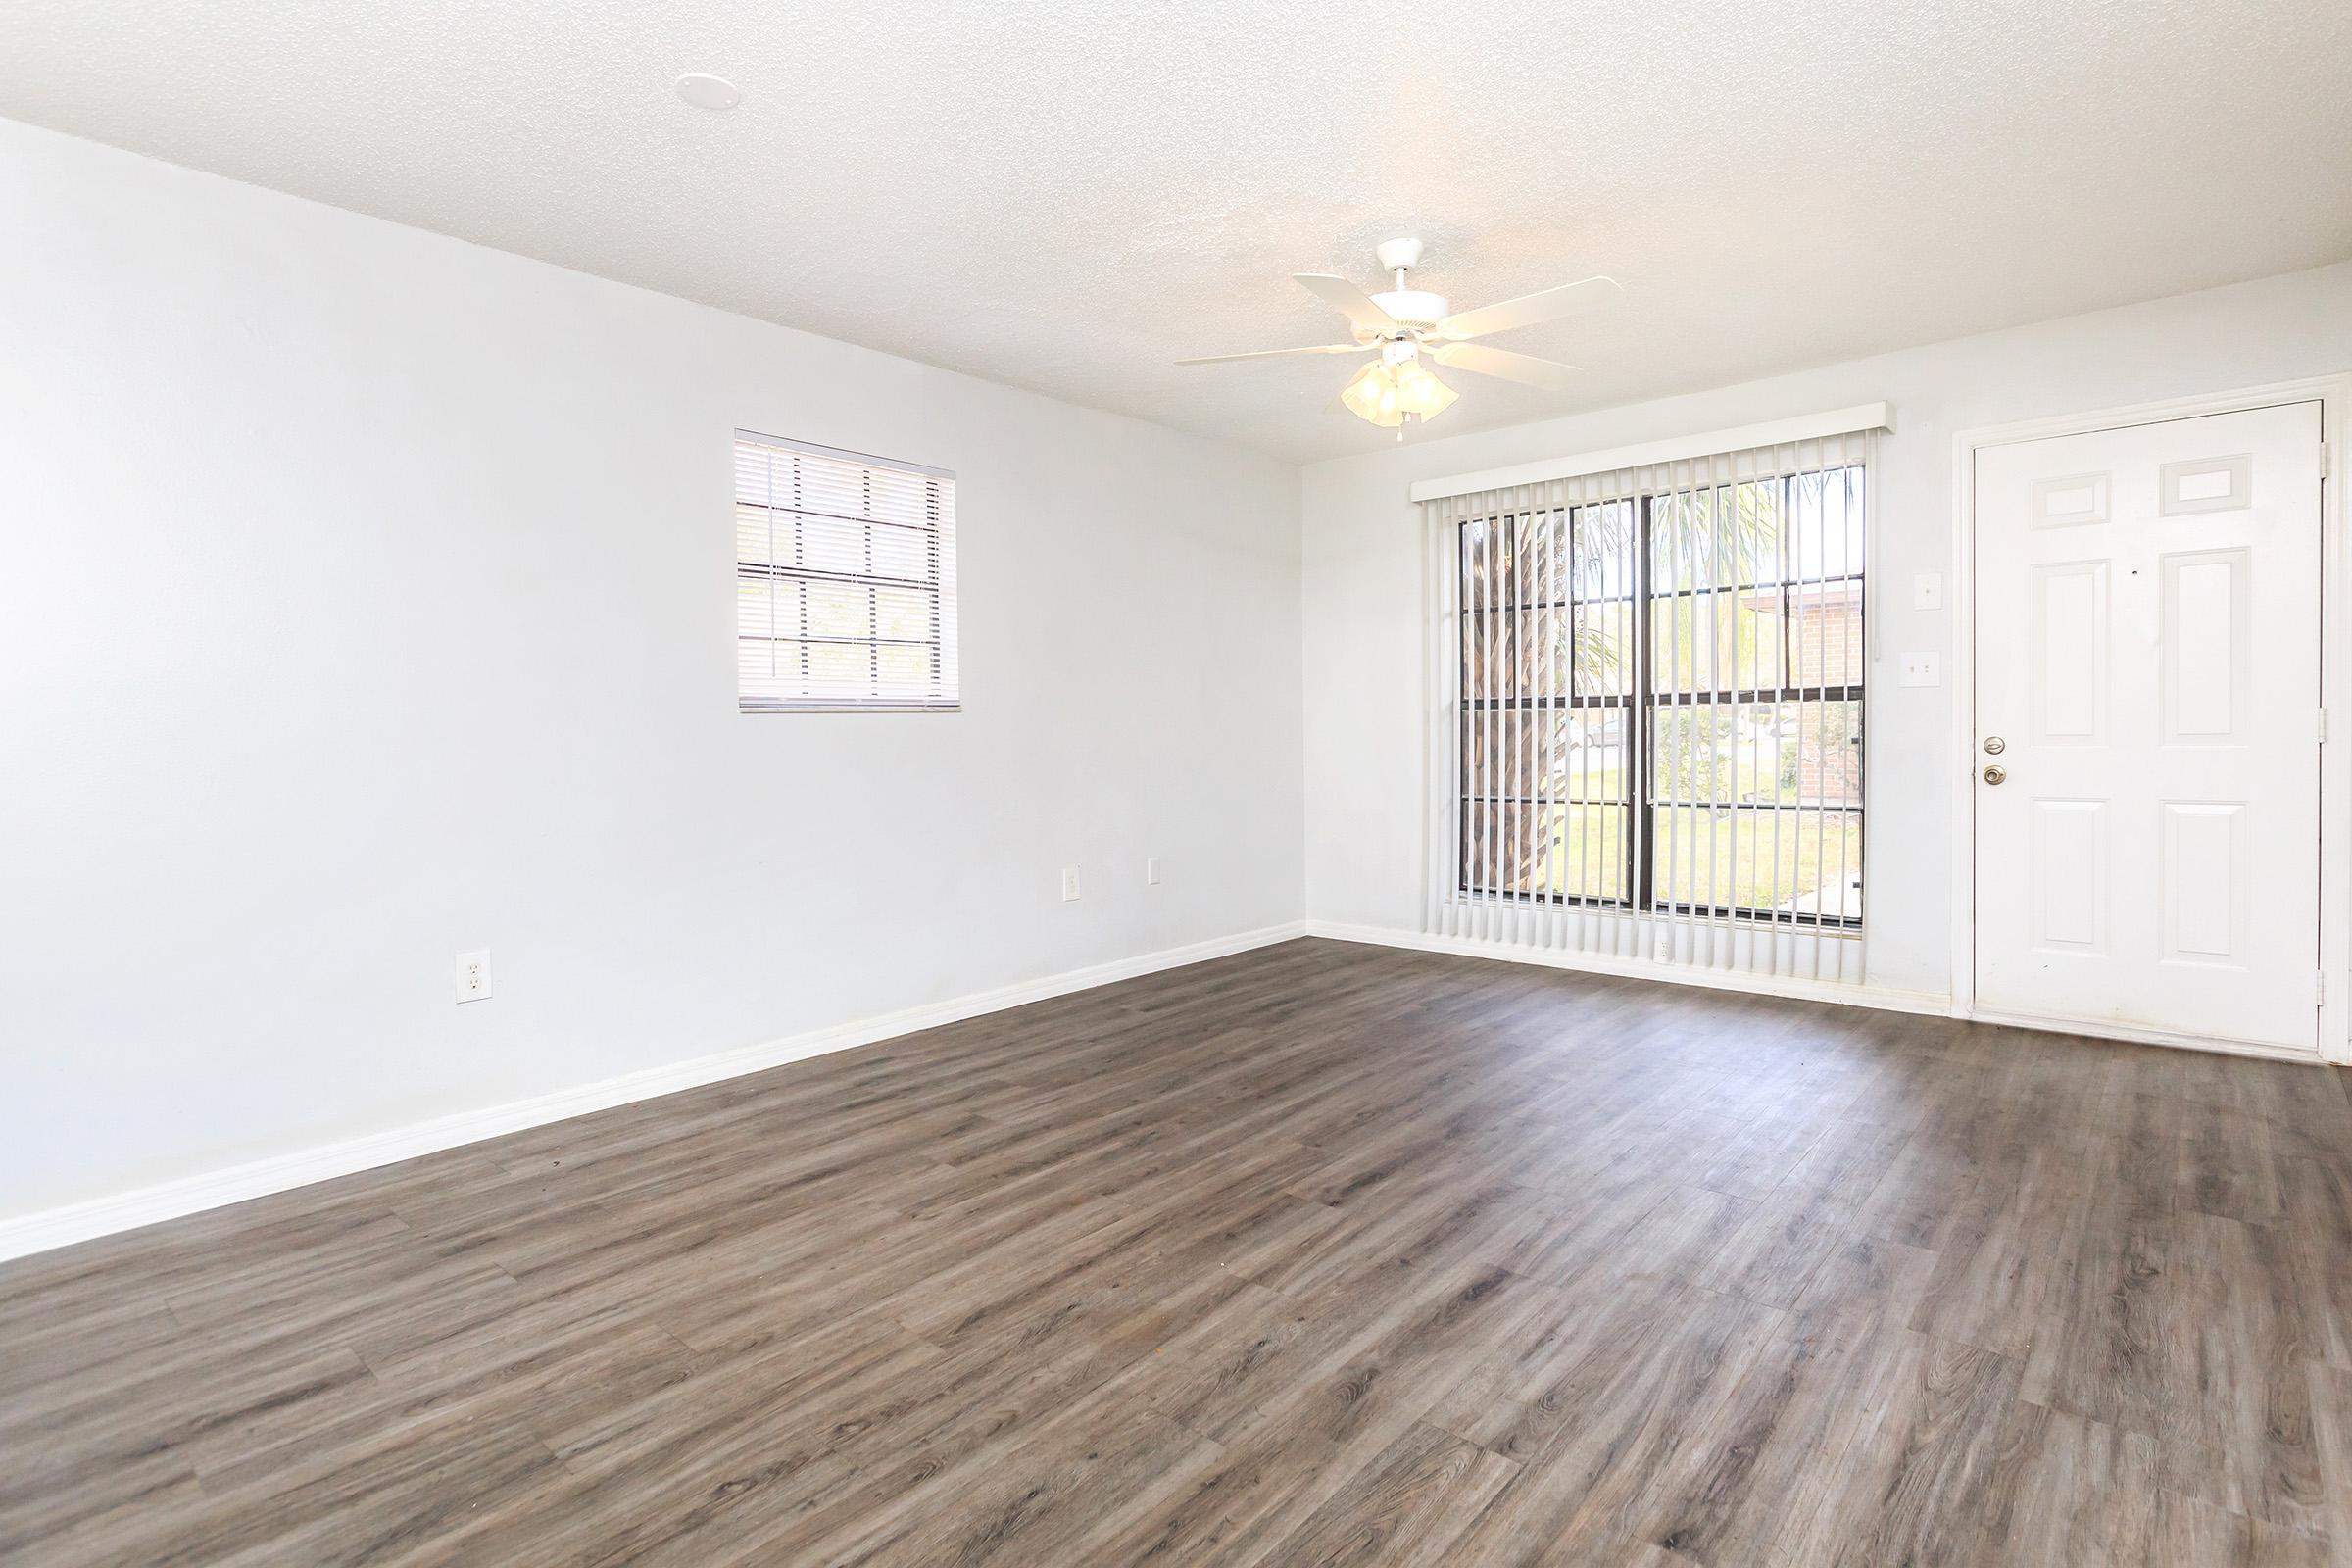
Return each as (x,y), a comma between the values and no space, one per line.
(2147,728)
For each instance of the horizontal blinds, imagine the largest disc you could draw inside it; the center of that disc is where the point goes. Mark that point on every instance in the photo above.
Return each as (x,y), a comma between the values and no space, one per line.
(1649,738)
(845,580)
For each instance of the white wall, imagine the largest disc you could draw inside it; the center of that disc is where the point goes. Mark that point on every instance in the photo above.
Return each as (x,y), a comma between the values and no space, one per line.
(366,597)
(1365,677)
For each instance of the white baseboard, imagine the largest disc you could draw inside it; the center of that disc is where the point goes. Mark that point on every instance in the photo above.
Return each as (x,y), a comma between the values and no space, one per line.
(1887,999)
(121,1211)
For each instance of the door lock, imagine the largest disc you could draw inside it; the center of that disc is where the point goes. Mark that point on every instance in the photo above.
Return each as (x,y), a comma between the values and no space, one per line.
(1995,773)
(1994,746)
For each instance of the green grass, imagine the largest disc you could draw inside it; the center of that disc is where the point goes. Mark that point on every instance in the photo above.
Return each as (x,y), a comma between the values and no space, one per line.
(1706,867)
(1588,855)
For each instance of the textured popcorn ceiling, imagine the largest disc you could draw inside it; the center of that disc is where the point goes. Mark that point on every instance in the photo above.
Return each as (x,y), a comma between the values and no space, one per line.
(1069,195)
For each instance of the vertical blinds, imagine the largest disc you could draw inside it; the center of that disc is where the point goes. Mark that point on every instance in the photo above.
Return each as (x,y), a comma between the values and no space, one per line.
(1648,732)
(845,580)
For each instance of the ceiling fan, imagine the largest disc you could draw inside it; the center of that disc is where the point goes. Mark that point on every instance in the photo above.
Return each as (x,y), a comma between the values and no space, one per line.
(1407,326)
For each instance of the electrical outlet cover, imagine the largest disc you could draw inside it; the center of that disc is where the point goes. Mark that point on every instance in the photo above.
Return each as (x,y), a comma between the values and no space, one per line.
(473,975)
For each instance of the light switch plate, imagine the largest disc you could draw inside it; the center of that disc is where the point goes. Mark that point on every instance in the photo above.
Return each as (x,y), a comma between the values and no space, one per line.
(1069,883)
(1923,669)
(1927,591)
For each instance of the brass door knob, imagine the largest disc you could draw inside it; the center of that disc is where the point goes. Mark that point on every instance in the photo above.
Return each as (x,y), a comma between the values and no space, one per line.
(1995,773)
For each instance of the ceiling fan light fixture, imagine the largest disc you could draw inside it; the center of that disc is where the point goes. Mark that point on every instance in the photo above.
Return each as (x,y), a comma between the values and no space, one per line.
(1373,396)
(1421,394)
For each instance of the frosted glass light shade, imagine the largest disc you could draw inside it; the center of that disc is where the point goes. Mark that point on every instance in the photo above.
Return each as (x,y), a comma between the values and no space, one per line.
(1420,393)
(1373,396)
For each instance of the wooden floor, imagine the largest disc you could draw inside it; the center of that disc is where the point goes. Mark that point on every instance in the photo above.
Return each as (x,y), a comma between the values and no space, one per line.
(1319,1255)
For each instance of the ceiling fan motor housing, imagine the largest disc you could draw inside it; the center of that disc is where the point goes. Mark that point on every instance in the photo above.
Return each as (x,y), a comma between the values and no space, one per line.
(1406,307)
(1412,307)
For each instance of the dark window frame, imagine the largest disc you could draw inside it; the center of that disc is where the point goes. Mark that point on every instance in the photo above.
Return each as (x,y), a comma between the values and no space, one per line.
(1642,703)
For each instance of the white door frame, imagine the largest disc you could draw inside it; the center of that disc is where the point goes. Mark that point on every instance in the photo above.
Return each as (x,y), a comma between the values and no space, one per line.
(2334,395)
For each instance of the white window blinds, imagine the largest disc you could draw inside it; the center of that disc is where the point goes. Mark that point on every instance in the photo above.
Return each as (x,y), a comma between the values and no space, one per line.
(1649,718)
(845,580)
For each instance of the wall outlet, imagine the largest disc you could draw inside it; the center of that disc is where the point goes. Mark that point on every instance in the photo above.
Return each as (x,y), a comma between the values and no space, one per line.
(1069,883)
(1927,591)
(1152,871)
(1923,669)
(473,975)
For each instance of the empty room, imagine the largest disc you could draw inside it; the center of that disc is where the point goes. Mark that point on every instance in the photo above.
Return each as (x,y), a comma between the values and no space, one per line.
(1033,784)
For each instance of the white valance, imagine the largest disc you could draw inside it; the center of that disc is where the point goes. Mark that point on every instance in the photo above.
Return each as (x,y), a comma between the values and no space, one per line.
(1861,417)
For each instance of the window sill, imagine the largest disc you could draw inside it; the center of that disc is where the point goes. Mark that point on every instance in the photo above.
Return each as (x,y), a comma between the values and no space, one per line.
(848,708)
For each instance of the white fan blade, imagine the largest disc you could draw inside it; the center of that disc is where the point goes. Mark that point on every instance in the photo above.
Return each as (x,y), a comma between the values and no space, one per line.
(1524,368)
(1353,302)
(1528,309)
(1276,354)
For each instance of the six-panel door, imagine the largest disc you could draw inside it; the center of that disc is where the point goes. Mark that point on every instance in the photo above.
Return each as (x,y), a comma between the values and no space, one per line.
(2147,664)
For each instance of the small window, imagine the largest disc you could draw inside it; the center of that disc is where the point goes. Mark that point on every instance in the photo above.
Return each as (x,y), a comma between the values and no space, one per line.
(845,580)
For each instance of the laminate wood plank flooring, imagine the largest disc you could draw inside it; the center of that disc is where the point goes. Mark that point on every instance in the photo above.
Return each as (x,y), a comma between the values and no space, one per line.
(1317,1254)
